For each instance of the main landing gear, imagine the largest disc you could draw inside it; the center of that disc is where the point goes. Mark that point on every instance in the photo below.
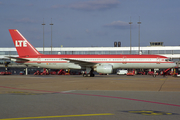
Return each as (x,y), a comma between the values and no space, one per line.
(88,75)
(89,72)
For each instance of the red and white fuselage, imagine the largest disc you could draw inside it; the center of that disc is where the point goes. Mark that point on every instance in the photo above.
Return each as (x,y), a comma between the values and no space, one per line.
(100,63)
(117,61)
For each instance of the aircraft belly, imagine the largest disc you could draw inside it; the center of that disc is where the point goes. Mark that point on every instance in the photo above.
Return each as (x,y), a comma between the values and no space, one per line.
(115,65)
(141,65)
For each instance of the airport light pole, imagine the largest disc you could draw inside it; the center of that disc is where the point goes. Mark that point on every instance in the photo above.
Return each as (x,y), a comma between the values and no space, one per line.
(43,34)
(139,33)
(51,35)
(130,34)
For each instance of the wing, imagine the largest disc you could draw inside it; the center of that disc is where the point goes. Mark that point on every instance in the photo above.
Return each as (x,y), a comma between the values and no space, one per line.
(81,63)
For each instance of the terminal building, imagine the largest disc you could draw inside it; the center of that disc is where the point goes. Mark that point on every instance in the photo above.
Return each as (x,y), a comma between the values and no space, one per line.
(157,48)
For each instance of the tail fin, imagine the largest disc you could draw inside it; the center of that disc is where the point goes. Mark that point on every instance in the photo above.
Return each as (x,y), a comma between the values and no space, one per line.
(23,47)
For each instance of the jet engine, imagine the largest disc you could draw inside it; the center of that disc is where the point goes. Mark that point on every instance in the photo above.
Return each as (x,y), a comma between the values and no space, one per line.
(104,69)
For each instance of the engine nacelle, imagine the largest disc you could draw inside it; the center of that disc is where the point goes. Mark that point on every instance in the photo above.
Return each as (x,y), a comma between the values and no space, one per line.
(104,69)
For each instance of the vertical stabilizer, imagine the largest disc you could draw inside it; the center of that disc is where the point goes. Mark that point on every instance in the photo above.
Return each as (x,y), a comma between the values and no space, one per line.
(23,47)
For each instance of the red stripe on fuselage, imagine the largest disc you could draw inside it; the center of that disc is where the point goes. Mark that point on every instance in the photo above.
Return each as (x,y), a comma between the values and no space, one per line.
(98,62)
(97,56)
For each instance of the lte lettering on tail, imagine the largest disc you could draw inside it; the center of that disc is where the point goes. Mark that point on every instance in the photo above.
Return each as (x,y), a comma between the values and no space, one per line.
(20,43)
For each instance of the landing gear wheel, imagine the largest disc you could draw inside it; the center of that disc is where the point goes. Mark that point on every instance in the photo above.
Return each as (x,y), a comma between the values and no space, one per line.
(90,72)
(92,75)
(84,75)
(88,75)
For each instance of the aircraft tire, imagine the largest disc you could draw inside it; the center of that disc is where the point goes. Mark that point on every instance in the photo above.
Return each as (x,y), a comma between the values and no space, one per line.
(91,75)
(84,75)
(88,75)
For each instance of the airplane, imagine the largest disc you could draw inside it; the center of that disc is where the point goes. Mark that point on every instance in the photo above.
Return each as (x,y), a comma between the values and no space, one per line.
(105,64)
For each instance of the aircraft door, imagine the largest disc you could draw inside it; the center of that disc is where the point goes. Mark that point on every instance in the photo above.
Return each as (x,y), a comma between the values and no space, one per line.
(39,59)
(158,60)
(124,60)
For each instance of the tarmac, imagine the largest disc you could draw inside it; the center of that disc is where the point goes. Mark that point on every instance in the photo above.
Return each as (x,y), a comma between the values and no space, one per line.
(101,97)
(99,82)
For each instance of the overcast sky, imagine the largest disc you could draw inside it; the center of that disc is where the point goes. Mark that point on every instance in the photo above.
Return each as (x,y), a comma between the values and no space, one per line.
(86,23)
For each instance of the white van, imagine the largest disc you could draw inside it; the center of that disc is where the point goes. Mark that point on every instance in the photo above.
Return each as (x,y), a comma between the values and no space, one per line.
(122,72)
